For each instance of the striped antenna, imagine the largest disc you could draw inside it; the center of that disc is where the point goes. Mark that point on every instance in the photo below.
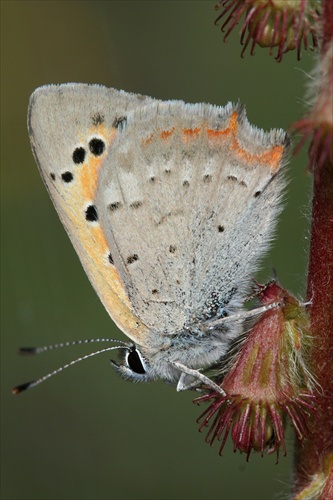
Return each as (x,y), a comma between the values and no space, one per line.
(37,350)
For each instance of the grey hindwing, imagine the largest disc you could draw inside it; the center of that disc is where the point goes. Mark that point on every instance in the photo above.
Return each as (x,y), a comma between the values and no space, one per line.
(186,221)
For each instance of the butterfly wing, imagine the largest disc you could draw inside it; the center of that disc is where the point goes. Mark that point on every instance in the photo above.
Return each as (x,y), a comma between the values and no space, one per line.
(72,128)
(187,199)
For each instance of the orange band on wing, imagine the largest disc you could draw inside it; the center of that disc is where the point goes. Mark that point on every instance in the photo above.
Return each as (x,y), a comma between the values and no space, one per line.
(191,133)
(100,240)
(231,129)
(165,134)
(148,139)
(272,156)
(89,177)
(90,170)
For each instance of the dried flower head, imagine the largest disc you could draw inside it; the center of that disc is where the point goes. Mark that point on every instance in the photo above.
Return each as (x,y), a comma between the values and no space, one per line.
(285,24)
(267,381)
(318,123)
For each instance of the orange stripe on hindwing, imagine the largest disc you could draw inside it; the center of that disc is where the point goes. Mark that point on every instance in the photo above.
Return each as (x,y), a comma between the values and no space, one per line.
(271,157)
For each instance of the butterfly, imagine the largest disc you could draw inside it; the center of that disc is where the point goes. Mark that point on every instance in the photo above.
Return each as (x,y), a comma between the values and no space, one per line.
(169,207)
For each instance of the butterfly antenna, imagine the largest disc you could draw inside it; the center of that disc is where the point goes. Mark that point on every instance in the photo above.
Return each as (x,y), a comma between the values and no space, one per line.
(38,350)
(34,350)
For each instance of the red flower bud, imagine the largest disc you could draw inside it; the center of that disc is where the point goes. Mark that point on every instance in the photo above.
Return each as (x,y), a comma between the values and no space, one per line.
(285,24)
(267,381)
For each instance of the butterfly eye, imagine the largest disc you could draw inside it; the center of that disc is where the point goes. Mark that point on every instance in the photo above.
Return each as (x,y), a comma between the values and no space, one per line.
(134,366)
(135,361)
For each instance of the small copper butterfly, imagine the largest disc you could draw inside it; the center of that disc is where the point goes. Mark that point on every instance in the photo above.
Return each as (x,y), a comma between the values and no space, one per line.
(169,207)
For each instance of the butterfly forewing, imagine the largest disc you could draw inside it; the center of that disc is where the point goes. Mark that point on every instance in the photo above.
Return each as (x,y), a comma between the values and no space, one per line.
(72,128)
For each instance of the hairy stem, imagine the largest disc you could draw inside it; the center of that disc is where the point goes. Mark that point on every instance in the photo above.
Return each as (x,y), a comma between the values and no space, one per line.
(311,456)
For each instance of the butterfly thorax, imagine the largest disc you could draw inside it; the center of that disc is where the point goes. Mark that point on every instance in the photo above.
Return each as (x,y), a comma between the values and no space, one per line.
(195,347)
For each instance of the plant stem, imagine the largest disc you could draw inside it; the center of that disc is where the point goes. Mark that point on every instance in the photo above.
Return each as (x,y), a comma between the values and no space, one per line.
(311,455)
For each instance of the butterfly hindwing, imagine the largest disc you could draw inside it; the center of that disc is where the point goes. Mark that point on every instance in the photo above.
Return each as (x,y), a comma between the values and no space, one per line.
(187,199)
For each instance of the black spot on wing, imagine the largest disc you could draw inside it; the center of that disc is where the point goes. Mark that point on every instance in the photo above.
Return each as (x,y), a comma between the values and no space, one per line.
(67,177)
(119,122)
(132,258)
(91,213)
(114,206)
(79,155)
(97,119)
(136,204)
(96,146)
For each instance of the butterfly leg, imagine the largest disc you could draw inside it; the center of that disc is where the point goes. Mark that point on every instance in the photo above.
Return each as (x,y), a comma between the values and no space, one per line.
(182,385)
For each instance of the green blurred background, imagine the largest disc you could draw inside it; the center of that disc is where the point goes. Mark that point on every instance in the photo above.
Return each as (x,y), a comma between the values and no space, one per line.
(87,434)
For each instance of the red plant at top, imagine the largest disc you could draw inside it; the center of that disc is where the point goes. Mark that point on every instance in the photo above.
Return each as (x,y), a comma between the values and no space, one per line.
(285,24)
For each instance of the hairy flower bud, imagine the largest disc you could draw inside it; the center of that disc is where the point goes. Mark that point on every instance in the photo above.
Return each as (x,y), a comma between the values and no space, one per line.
(267,381)
(285,24)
